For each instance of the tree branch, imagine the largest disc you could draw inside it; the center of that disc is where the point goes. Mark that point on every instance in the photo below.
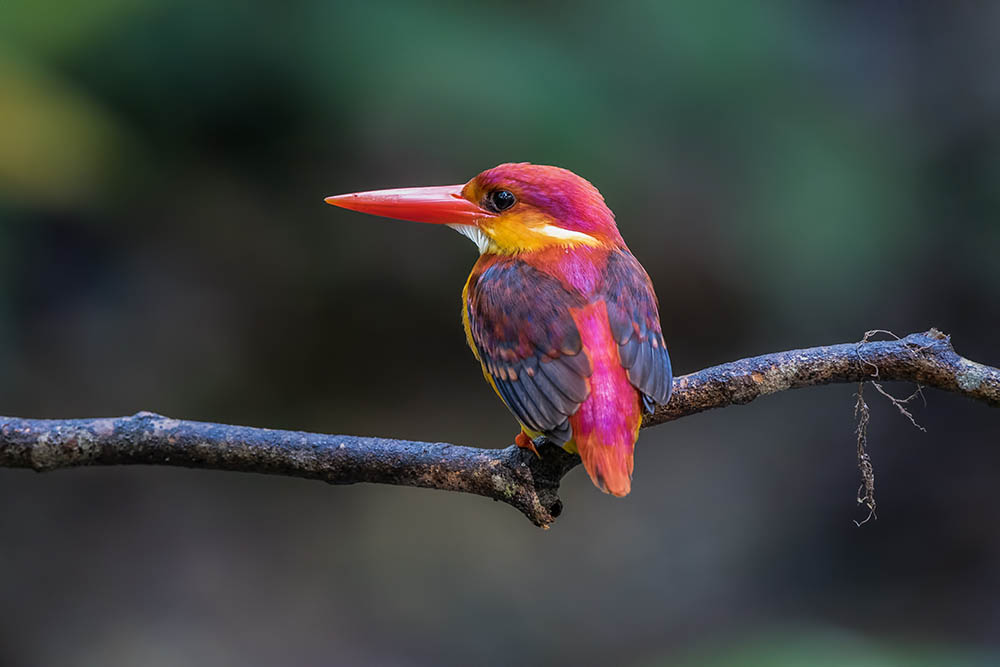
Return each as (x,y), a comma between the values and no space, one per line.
(511,475)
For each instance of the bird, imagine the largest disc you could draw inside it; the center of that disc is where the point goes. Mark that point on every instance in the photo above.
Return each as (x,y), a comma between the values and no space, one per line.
(559,313)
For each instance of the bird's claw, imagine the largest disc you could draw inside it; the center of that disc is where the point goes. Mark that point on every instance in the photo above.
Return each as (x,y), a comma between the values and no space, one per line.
(524,442)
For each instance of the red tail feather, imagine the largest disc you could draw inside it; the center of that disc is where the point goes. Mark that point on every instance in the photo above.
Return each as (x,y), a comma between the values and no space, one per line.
(609,467)
(607,424)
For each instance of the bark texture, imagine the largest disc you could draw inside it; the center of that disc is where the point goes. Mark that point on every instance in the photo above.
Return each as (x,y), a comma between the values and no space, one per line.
(510,475)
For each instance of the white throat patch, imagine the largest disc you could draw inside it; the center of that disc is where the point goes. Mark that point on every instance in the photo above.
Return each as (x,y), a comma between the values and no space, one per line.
(474,234)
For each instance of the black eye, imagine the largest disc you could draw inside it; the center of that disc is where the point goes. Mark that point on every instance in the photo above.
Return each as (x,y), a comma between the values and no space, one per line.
(501,200)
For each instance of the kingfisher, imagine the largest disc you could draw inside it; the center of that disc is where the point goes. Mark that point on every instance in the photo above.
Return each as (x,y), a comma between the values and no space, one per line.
(557,310)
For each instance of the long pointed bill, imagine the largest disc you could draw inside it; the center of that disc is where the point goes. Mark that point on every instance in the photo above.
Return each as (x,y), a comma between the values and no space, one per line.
(442,204)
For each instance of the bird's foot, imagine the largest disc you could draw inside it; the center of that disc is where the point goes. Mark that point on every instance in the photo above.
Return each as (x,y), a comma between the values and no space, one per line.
(524,442)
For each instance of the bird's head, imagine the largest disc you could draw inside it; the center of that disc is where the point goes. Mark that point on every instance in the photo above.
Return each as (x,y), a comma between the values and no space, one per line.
(511,208)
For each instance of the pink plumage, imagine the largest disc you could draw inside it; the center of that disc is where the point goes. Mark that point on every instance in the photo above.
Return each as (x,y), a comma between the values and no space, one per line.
(560,314)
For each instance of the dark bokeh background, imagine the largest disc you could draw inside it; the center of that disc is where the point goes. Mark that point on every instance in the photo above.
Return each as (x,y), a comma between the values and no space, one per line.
(790,175)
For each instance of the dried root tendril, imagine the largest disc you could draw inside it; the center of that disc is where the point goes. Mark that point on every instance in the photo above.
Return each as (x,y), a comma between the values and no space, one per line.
(862,414)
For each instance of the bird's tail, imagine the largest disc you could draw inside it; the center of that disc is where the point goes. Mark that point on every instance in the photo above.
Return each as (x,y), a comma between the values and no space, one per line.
(606,426)
(609,465)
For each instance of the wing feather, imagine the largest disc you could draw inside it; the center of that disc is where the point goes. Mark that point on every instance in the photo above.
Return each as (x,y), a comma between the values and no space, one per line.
(635,323)
(523,332)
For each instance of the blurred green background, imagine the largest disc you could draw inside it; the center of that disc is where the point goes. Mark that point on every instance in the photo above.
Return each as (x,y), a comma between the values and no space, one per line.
(790,174)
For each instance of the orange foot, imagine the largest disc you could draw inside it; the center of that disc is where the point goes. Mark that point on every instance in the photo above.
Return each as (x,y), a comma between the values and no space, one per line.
(524,442)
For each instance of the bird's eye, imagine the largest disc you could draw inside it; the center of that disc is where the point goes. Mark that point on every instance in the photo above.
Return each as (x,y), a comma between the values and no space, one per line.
(501,200)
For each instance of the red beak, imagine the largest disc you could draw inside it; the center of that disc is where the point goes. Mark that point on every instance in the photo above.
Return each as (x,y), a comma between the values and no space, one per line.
(441,204)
